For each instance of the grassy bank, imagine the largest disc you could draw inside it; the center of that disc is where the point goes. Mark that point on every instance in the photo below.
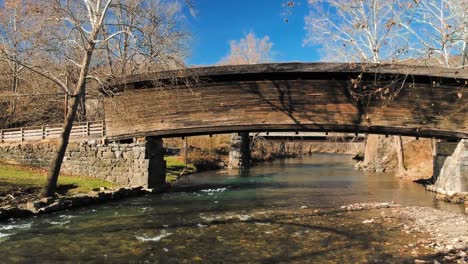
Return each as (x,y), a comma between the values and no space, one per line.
(175,167)
(15,178)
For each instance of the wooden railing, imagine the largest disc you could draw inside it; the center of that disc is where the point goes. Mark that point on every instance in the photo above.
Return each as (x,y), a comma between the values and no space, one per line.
(81,129)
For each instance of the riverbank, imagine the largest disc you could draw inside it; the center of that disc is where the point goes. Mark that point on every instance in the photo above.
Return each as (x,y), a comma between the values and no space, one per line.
(41,206)
(19,184)
(418,158)
(447,232)
(20,189)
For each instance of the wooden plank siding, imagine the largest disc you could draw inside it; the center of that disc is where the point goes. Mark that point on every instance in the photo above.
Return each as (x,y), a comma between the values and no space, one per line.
(429,102)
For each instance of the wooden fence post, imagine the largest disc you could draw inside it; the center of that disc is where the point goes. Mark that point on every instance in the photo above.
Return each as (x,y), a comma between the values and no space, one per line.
(22,135)
(103,128)
(87,129)
(1,136)
(43,132)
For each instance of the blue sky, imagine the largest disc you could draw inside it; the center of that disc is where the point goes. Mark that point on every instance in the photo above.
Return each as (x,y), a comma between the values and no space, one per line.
(219,21)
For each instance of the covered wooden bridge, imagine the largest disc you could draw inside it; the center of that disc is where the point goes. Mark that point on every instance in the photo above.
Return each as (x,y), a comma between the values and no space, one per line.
(327,97)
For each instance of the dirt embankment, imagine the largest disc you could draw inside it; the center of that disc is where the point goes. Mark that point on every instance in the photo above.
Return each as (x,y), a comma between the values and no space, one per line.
(417,154)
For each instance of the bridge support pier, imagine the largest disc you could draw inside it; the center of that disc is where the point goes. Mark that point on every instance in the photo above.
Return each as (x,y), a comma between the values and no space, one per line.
(157,165)
(450,168)
(239,152)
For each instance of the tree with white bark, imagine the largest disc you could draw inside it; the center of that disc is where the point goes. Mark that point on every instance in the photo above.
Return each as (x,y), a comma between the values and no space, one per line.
(438,32)
(249,50)
(75,43)
(390,31)
(358,30)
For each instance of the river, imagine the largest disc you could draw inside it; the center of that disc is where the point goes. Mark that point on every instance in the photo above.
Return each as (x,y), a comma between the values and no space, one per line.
(283,211)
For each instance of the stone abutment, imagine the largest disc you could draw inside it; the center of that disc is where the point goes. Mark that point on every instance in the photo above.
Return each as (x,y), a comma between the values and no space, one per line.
(451,170)
(130,164)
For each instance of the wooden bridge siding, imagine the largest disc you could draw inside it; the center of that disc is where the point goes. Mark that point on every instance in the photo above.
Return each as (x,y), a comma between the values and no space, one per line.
(314,104)
(230,104)
(426,106)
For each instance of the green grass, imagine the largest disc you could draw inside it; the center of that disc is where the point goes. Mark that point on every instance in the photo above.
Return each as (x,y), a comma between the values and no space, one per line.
(174,167)
(174,162)
(14,177)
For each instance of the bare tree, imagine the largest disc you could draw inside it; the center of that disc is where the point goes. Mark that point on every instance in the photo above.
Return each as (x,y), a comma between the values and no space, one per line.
(358,30)
(159,31)
(438,32)
(75,35)
(15,39)
(361,31)
(462,13)
(11,16)
(249,50)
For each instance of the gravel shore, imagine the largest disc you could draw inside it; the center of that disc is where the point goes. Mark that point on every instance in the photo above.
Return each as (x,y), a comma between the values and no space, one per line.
(447,231)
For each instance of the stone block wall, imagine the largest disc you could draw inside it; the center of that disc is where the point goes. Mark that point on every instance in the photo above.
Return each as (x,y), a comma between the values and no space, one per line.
(30,154)
(124,164)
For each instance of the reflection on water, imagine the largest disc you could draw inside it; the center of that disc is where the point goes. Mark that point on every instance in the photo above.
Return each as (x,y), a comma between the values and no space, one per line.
(277,212)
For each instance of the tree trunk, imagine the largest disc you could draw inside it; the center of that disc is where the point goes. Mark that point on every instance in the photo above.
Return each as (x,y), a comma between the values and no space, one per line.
(80,91)
(14,88)
(400,155)
(82,107)
(51,184)
(186,152)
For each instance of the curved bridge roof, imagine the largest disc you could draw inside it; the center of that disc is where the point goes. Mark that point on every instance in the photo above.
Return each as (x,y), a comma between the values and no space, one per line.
(327,97)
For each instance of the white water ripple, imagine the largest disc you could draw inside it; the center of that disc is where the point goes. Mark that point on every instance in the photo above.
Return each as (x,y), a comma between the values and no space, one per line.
(59,223)
(214,190)
(4,235)
(11,227)
(163,234)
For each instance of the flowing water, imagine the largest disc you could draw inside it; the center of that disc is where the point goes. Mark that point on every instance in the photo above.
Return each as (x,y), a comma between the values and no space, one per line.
(284,211)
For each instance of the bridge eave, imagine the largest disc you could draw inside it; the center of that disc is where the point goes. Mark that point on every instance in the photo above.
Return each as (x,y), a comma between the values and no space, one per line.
(294,67)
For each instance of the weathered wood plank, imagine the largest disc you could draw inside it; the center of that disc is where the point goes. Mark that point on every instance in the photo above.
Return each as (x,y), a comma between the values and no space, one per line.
(433,105)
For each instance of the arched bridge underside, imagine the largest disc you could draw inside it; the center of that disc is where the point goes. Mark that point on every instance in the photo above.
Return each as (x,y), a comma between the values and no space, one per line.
(326,97)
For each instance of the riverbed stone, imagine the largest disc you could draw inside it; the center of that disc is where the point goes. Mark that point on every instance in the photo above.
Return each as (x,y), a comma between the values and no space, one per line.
(47,200)
(14,212)
(108,155)
(80,200)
